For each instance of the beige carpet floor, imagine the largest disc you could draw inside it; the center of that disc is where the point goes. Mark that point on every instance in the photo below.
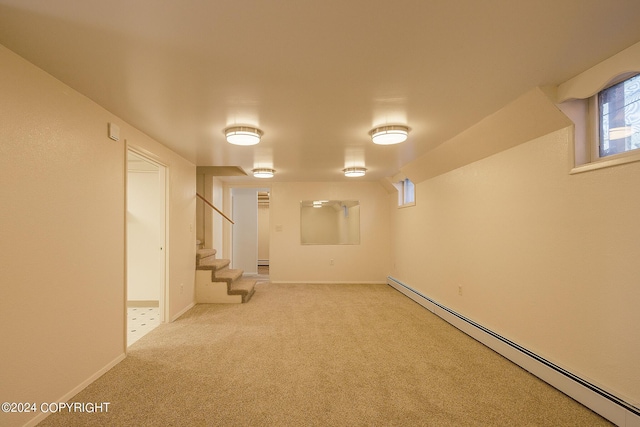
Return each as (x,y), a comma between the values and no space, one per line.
(320,355)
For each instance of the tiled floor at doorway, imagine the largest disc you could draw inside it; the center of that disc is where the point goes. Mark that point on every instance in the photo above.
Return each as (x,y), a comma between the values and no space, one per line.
(141,321)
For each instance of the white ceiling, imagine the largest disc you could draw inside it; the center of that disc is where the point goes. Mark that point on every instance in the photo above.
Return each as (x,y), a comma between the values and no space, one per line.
(314,76)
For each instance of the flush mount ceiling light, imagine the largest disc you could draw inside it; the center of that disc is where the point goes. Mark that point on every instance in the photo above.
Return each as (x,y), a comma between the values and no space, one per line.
(263,173)
(387,135)
(243,135)
(354,172)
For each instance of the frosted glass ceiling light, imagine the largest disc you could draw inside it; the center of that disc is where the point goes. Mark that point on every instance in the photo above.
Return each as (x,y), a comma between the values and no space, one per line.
(243,135)
(354,172)
(263,173)
(387,135)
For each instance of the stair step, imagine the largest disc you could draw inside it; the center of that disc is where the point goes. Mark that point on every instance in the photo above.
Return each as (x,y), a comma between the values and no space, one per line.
(236,284)
(244,287)
(212,264)
(205,253)
(227,275)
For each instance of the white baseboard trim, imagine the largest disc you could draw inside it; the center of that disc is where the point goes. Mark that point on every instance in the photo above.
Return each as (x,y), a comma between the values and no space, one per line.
(324,282)
(67,396)
(183,311)
(611,407)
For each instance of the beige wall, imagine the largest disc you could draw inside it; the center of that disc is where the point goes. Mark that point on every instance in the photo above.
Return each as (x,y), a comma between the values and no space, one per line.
(144,236)
(291,261)
(209,224)
(62,184)
(263,232)
(201,213)
(217,219)
(546,259)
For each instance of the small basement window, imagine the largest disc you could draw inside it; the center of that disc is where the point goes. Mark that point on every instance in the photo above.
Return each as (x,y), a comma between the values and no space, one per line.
(607,131)
(406,193)
(618,109)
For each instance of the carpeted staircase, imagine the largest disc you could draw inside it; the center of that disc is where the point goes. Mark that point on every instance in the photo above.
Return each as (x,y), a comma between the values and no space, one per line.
(217,283)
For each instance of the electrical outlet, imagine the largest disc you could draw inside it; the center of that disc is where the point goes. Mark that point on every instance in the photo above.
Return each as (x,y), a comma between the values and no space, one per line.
(331,261)
(181,287)
(460,290)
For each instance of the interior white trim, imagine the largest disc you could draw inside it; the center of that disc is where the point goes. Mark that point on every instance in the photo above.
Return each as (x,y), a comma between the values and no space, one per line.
(611,407)
(596,78)
(42,415)
(326,282)
(607,162)
(163,173)
(183,311)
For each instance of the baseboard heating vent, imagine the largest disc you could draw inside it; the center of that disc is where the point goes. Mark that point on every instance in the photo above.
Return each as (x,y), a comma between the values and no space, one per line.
(590,395)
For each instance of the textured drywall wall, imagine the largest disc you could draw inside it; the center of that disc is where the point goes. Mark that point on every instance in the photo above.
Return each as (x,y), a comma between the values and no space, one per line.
(62,186)
(290,261)
(544,258)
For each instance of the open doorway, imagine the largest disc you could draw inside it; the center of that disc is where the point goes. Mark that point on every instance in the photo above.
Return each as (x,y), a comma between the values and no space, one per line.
(250,234)
(146,245)
(263,235)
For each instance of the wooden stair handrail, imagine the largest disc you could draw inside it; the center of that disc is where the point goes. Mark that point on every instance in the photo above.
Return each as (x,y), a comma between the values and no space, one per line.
(215,209)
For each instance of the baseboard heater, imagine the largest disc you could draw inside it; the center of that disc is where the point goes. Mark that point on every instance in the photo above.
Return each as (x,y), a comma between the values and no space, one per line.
(590,395)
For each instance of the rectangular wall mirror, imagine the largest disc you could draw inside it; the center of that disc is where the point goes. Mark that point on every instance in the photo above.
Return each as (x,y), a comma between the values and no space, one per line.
(330,222)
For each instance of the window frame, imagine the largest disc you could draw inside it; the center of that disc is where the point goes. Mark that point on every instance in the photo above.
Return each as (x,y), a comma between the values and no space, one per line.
(401,187)
(595,120)
(594,160)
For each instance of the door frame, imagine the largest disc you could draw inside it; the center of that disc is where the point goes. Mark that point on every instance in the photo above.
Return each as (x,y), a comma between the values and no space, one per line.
(163,200)
(228,239)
